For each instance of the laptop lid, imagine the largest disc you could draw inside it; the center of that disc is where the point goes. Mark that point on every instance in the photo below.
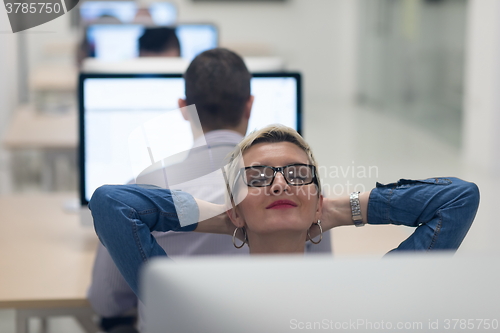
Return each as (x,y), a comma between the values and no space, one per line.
(407,293)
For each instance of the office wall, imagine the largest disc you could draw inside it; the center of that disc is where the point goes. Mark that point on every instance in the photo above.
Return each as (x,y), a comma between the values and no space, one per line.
(8,91)
(412,62)
(8,81)
(482,86)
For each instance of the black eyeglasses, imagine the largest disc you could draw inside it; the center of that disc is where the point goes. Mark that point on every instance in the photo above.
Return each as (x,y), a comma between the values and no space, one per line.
(294,174)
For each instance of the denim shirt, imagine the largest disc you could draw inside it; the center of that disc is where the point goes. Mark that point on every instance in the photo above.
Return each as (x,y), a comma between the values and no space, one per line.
(441,210)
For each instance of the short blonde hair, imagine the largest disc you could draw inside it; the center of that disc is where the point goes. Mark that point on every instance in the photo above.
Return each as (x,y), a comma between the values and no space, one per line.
(270,134)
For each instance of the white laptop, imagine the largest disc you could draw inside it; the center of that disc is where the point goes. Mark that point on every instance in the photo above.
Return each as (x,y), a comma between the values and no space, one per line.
(410,293)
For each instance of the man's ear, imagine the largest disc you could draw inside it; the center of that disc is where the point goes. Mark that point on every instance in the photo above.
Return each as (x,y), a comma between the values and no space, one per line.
(248,107)
(236,217)
(182,105)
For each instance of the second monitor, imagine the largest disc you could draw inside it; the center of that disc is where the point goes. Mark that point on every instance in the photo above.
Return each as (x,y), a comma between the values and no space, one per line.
(115,42)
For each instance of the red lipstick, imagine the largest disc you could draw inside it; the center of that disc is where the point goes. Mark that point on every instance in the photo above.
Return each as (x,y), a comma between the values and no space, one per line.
(282,204)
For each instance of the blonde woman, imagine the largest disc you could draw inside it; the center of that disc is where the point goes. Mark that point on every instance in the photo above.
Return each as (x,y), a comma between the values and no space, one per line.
(282,207)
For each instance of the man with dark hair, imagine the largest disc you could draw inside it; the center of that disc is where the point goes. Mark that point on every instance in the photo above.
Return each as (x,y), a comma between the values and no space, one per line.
(159,42)
(217,82)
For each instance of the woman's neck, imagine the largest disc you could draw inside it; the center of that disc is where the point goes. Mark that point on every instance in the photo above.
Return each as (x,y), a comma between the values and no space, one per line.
(277,243)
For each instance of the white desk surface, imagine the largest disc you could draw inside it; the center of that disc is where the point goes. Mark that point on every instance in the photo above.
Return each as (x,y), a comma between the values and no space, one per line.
(54,78)
(46,256)
(31,129)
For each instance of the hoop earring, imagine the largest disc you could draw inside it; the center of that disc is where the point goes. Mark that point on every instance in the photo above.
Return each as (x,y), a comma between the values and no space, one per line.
(245,240)
(320,233)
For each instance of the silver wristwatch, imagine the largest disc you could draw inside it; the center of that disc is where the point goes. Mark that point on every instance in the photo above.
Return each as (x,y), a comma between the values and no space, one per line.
(356,209)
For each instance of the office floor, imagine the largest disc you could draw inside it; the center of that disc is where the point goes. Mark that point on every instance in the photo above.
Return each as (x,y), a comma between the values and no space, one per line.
(54,325)
(364,147)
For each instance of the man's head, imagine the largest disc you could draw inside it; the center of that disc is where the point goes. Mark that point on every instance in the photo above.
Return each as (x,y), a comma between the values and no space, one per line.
(218,83)
(159,42)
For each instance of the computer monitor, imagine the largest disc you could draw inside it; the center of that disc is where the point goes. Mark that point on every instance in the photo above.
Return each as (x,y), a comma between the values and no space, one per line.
(112,106)
(196,38)
(122,10)
(162,13)
(170,65)
(115,42)
(405,293)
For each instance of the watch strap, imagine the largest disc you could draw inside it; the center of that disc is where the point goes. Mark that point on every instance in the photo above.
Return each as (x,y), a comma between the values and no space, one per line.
(356,209)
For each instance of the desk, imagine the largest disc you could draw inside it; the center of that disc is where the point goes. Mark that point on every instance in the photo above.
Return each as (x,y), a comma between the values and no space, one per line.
(46,259)
(54,78)
(54,87)
(53,134)
(31,129)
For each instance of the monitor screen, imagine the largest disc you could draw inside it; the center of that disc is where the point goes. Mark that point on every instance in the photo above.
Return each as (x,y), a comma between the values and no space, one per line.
(196,38)
(115,42)
(112,106)
(162,13)
(124,11)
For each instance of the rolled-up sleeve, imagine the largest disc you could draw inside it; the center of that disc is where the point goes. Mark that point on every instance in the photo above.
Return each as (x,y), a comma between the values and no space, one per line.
(441,209)
(186,208)
(125,215)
